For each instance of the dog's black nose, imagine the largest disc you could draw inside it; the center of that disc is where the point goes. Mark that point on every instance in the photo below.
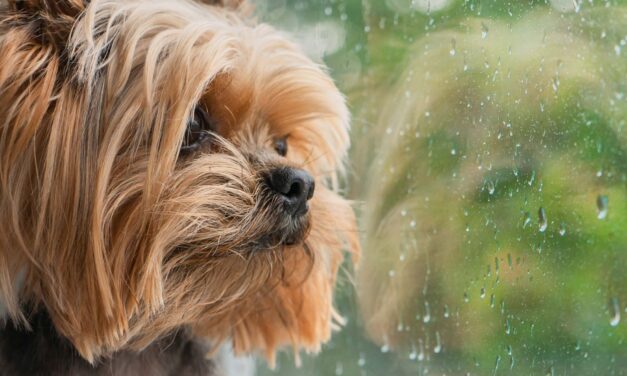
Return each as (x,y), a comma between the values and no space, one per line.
(295,186)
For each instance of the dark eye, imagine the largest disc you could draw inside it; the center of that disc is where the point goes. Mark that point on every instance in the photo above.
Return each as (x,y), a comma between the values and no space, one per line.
(199,127)
(280,145)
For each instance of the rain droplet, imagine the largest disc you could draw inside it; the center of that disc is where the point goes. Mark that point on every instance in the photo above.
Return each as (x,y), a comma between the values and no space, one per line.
(542,222)
(527,219)
(490,186)
(438,343)
(602,204)
(427,317)
(482,293)
(453,45)
(562,229)
(328,11)
(615,310)
(412,224)
(412,354)
(492,301)
(446,312)
(339,369)
(362,360)
(466,300)
(421,353)
(484,31)
(385,348)
(532,178)
(496,364)
(508,327)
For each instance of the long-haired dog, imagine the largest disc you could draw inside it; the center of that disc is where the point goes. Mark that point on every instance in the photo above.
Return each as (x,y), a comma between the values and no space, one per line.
(168,182)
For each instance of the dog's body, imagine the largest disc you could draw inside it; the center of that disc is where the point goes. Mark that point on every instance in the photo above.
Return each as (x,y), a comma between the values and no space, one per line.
(41,351)
(166,166)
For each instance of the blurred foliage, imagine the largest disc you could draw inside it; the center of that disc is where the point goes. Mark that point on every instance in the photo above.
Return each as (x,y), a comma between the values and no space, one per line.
(490,159)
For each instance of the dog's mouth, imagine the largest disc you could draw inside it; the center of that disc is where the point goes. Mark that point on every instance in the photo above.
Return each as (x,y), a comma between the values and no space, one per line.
(294,234)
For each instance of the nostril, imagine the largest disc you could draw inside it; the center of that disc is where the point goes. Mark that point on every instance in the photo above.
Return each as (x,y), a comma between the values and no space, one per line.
(312,188)
(296,189)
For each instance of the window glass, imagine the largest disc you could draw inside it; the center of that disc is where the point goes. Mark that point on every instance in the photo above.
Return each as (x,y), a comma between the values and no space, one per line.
(489,167)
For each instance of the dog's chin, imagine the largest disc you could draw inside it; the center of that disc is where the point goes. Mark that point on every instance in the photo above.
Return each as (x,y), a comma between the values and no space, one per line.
(294,233)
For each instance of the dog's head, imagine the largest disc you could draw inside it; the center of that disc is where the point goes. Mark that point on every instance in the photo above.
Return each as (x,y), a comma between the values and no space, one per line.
(167,164)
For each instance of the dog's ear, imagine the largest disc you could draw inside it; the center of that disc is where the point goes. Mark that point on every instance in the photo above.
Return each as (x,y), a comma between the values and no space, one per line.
(51,20)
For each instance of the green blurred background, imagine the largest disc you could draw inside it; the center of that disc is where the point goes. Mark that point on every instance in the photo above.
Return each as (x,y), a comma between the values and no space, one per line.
(489,167)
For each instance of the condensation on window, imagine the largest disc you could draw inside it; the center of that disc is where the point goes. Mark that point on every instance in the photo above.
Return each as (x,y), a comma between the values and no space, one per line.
(489,168)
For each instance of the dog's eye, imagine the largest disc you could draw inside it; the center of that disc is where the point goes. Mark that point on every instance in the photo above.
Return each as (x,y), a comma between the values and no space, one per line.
(280,145)
(199,128)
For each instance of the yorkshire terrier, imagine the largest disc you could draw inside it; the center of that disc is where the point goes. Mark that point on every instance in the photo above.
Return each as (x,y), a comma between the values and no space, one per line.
(169,176)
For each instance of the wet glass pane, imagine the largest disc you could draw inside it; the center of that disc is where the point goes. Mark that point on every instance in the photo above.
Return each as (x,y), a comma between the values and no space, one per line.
(489,167)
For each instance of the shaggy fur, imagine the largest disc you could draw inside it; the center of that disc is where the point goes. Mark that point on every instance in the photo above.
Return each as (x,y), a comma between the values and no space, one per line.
(107,228)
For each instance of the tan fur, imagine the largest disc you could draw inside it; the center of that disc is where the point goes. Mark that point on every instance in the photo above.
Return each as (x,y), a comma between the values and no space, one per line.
(119,238)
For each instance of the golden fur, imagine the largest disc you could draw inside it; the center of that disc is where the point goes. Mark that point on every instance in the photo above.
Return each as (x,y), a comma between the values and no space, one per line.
(116,236)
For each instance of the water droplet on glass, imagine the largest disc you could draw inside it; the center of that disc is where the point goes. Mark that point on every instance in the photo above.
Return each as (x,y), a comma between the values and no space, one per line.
(496,364)
(484,31)
(328,11)
(492,301)
(466,299)
(362,360)
(421,353)
(602,206)
(542,221)
(490,186)
(482,293)
(413,355)
(412,224)
(615,312)
(508,327)
(555,83)
(385,348)
(427,317)
(562,229)
(446,312)
(339,369)
(453,45)
(527,219)
(438,343)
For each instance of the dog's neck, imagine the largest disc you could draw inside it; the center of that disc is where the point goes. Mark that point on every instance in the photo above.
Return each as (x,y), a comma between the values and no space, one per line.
(43,352)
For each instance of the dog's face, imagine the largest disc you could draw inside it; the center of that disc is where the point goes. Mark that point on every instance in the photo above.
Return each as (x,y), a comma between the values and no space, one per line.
(166,164)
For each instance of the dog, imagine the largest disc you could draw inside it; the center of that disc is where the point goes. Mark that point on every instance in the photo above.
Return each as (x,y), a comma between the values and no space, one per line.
(170,176)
